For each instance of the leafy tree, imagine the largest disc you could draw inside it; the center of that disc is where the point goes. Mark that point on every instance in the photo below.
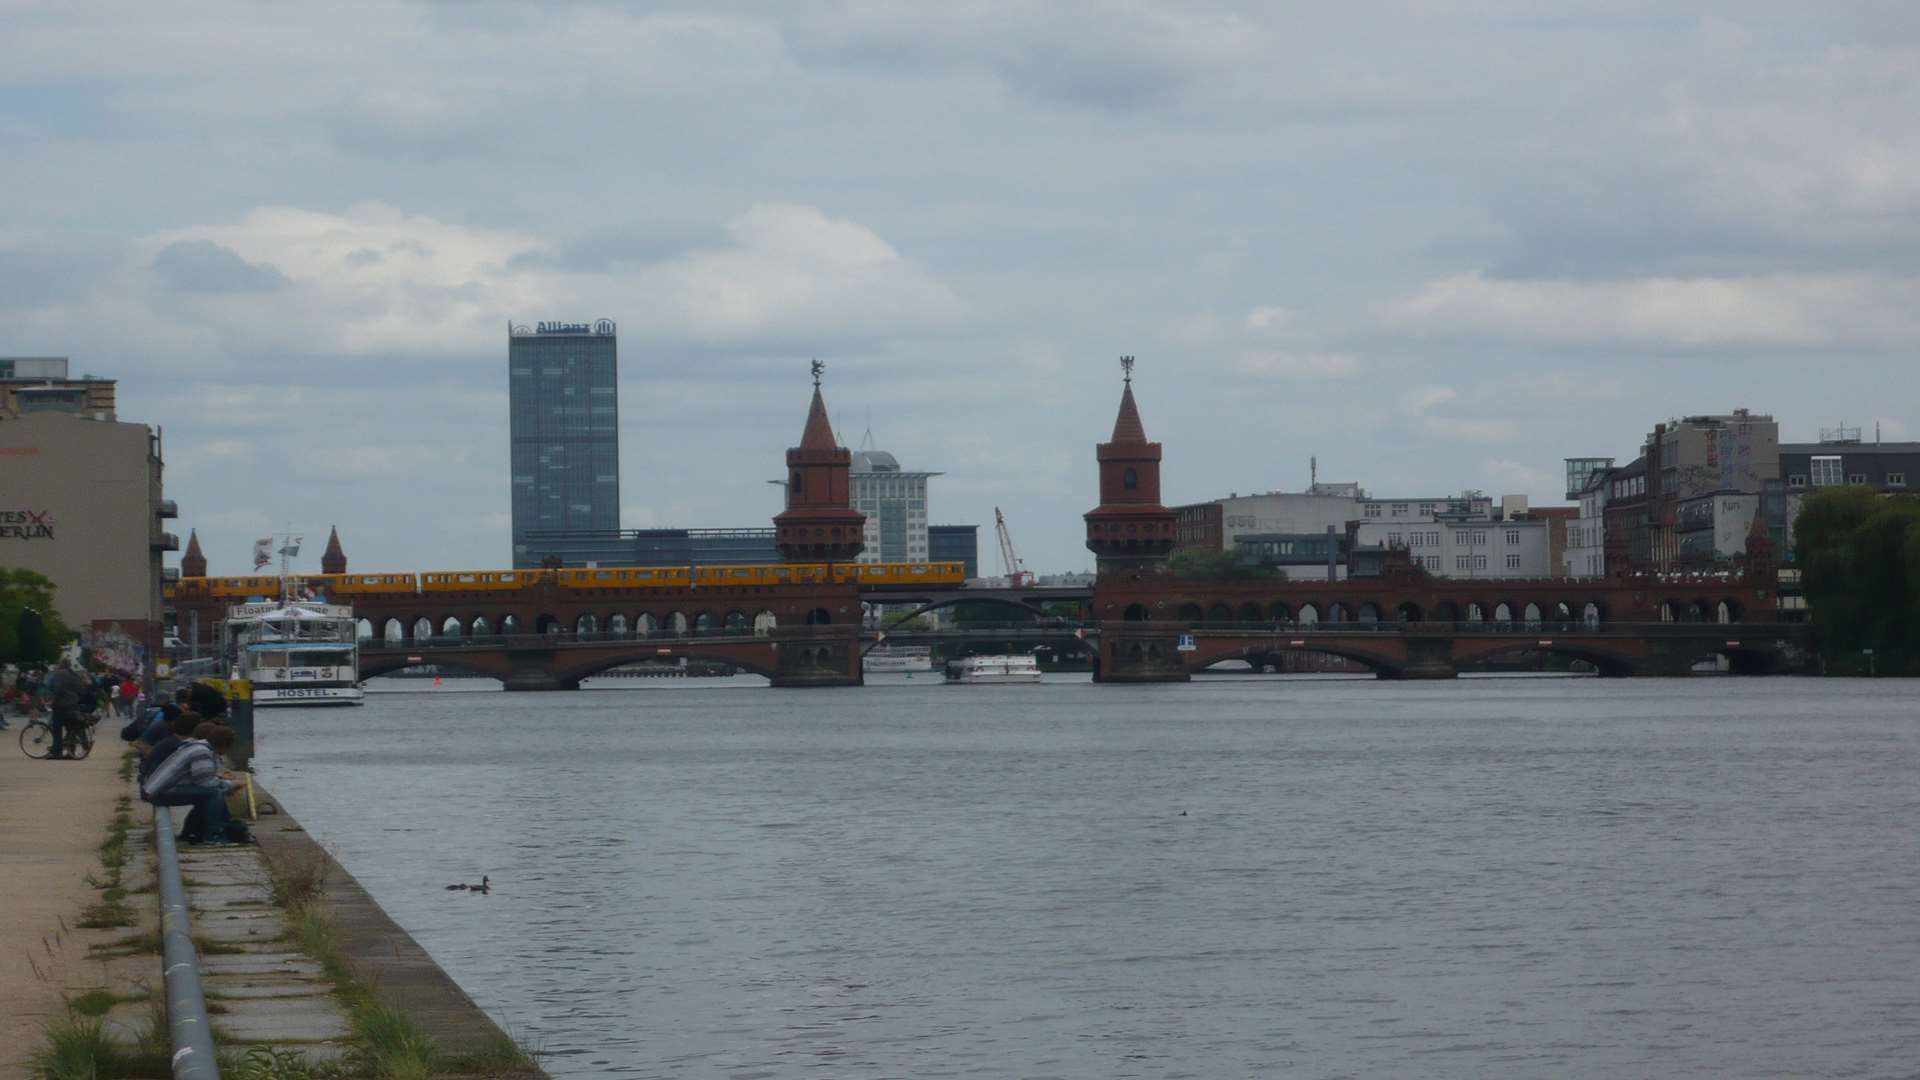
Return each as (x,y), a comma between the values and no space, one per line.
(1196,565)
(24,638)
(1860,556)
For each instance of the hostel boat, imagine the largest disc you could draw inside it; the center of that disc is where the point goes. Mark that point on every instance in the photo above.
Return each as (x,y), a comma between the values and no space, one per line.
(296,652)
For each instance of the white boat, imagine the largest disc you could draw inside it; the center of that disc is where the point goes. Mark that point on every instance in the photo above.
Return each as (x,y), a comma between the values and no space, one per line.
(895,659)
(994,669)
(296,652)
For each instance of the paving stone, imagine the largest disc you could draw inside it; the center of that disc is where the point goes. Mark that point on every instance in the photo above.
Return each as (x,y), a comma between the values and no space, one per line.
(259,963)
(282,1020)
(254,986)
(240,931)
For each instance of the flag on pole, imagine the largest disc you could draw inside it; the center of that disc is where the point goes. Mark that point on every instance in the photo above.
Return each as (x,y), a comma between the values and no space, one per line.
(262,552)
(293,546)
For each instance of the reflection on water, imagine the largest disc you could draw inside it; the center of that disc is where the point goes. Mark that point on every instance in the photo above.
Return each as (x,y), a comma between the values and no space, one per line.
(1257,877)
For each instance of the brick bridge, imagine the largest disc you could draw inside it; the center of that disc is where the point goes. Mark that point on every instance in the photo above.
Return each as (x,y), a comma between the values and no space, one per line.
(1408,624)
(796,656)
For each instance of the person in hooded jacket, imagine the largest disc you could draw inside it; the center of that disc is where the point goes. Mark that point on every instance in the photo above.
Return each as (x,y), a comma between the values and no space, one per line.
(191,776)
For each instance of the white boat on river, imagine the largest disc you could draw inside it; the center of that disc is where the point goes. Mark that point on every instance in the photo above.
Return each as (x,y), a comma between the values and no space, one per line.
(1019,668)
(296,652)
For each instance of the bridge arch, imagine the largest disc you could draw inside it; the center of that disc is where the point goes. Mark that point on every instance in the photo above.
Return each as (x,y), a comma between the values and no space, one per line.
(1409,611)
(586,624)
(362,630)
(1256,653)
(509,625)
(1503,614)
(1369,612)
(1445,611)
(819,617)
(675,622)
(1727,611)
(645,624)
(573,674)
(1309,615)
(422,630)
(1281,613)
(1604,660)
(1337,613)
(547,626)
(734,620)
(1476,612)
(765,621)
(480,627)
(1135,613)
(1219,613)
(702,621)
(1192,614)
(617,623)
(1592,614)
(451,627)
(1250,613)
(1532,615)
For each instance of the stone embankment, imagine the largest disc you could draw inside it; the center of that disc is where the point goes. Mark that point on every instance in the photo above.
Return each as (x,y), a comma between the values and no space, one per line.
(300,968)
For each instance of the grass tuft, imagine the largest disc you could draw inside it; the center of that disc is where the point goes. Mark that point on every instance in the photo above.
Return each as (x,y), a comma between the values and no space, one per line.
(300,879)
(77,1049)
(395,1046)
(93,1003)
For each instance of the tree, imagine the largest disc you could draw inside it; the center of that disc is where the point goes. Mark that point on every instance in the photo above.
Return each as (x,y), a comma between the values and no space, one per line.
(1860,556)
(1196,565)
(23,639)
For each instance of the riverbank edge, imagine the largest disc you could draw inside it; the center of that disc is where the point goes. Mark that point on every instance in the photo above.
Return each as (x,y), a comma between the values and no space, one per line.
(394,968)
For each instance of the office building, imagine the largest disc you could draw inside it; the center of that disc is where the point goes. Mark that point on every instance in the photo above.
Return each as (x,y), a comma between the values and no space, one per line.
(1587,485)
(955,543)
(564,424)
(895,503)
(31,384)
(82,505)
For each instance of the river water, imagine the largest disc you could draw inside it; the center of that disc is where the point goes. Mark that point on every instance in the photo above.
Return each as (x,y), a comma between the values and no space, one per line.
(1515,877)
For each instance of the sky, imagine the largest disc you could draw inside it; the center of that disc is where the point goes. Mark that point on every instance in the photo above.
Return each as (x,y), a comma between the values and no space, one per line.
(1435,244)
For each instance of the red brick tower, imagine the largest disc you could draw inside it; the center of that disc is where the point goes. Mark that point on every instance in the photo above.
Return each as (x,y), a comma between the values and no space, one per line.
(334,559)
(819,523)
(1129,530)
(193,563)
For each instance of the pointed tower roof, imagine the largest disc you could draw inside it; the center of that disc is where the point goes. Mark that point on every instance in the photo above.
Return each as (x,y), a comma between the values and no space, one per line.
(819,433)
(334,559)
(194,562)
(1127,427)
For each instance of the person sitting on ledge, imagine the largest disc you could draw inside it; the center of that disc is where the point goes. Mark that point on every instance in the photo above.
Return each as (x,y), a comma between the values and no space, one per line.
(191,776)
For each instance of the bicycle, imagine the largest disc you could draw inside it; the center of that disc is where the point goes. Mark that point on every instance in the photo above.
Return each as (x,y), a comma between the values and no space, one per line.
(36,739)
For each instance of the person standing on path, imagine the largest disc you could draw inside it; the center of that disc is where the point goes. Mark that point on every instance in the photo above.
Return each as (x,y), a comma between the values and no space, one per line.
(63,689)
(129,697)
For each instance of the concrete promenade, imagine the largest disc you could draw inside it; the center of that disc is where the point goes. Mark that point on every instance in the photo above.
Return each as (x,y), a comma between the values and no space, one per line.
(52,817)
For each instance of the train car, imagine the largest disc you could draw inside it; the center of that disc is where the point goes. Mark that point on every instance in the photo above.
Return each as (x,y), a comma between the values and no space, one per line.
(364,584)
(915,573)
(624,577)
(244,587)
(481,580)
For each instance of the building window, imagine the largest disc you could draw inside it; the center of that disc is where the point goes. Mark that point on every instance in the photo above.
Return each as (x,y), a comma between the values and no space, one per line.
(1399,509)
(1857,478)
(1433,562)
(1373,509)
(1826,471)
(1433,539)
(1129,479)
(1797,480)
(1395,540)
(1896,479)
(1513,537)
(1419,539)
(1479,562)
(1426,509)
(1513,562)
(1463,562)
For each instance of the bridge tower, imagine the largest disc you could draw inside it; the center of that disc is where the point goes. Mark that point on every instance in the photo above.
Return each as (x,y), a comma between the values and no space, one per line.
(1129,530)
(334,559)
(194,562)
(819,523)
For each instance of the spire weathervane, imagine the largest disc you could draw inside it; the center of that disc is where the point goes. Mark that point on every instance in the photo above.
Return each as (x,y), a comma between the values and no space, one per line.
(1126,368)
(818,367)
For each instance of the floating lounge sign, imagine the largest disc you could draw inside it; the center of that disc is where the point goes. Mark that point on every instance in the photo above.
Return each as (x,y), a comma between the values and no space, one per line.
(26,524)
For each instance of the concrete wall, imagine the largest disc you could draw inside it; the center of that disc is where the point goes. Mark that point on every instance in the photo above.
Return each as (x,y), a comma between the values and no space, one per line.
(93,486)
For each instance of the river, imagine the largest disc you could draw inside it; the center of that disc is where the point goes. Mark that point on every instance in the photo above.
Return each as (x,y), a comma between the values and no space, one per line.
(1497,877)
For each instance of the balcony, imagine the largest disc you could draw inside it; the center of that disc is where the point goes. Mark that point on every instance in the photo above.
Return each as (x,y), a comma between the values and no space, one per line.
(166,508)
(165,541)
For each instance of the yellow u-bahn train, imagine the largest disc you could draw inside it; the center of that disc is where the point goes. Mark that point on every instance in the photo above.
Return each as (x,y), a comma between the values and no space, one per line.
(346,586)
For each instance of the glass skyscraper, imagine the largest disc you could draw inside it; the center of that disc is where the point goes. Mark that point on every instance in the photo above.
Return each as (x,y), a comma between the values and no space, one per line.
(564,422)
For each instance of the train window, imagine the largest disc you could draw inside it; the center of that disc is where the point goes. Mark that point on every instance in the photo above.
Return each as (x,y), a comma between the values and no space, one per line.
(742,573)
(469,577)
(508,578)
(919,571)
(601,575)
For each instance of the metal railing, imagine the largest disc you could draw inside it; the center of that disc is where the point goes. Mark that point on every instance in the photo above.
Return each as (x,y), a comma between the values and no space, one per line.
(187,1023)
(598,637)
(1485,626)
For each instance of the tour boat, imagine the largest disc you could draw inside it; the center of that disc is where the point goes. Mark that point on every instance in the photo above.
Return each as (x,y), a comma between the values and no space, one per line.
(296,652)
(994,669)
(895,660)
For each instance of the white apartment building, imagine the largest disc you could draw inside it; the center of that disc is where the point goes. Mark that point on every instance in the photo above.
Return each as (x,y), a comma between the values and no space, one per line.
(1587,484)
(1467,547)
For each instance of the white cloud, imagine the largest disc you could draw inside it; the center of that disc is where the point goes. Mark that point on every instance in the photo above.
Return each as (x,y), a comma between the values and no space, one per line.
(1297,365)
(1779,311)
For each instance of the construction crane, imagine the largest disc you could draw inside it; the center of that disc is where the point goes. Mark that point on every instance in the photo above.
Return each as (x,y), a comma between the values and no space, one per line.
(1018,576)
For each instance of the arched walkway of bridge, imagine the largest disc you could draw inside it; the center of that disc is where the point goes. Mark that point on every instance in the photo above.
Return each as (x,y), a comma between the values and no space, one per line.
(1607,662)
(1025,606)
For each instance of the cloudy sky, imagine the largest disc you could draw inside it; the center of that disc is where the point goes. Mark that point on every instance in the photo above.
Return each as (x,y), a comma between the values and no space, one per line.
(1440,244)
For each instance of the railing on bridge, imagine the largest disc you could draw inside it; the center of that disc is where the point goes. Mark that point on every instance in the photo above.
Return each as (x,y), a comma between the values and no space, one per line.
(607,637)
(1486,626)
